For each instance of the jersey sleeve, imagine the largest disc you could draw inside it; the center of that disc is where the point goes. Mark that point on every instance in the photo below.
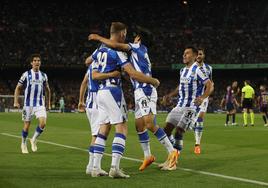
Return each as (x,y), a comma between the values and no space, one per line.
(243,90)
(23,79)
(121,59)
(201,75)
(94,66)
(94,55)
(134,46)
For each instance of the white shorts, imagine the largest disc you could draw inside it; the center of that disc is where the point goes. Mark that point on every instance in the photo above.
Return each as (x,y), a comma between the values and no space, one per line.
(203,107)
(92,116)
(111,105)
(92,113)
(183,117)
(144,104)
(28,112)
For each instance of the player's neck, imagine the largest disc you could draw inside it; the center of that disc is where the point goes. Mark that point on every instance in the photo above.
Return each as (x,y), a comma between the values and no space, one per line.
(114,38)
(35,70)
(188,65)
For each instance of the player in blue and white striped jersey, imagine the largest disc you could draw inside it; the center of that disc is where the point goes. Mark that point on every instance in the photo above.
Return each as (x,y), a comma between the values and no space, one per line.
(34,82)
(198,129)
(110,100)
(91,108)
(183,117)
(145,96)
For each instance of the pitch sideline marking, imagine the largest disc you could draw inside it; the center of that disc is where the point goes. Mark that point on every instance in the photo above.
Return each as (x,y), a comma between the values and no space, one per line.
(137,160)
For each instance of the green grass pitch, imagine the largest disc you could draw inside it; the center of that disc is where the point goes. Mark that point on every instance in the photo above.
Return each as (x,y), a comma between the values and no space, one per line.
(240,152)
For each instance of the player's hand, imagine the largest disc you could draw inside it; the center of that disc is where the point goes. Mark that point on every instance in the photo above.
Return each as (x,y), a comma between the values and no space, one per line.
(165,100)
(198,101)
(16,105)
(81,107)
(93,37)
(156,83)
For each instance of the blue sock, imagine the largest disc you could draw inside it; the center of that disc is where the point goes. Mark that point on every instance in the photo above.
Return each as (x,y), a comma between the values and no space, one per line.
(145,142)
(178,142)
(98,151)
(118,148)
(37,132)
(24,135)
(163,139)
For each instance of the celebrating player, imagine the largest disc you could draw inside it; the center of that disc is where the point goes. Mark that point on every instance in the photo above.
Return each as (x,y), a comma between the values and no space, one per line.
(183,117)
(34,83)
(145,96)
(111,102)
(91,109)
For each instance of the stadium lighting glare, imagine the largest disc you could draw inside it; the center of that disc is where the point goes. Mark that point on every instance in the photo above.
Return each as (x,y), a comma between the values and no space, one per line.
(185,2)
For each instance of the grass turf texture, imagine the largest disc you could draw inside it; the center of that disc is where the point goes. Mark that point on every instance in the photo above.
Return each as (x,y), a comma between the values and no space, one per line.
(234,151)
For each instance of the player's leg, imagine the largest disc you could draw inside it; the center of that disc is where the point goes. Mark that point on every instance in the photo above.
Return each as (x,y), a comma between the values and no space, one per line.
(252,116)
(233,116)
(92,116)
(99,147)
(227,118)
(26,118)
(40,113)
(245,116)
(144,142)
(198,130)
(118,149)
(24,134)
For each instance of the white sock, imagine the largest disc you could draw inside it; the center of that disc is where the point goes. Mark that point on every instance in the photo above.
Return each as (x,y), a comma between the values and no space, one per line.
(118,149)
(145,143)
(198,132)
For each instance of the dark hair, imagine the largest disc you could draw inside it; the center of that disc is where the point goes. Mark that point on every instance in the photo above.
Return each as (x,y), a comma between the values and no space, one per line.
(145,36)
(33,56)
(116,27)
(193,49)
(247,81)
(201,49)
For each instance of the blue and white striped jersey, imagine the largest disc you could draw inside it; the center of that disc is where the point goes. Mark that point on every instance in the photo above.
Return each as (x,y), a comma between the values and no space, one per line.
(192,81)
(108,60)
(93,87)
(208,70)
(141,62)
(34,84)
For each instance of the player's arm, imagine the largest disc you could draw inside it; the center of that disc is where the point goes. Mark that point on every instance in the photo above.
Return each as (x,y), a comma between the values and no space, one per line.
(208,88)
(16,95)
(96,75)
(88,60)
(48,95)
(140,77)
(109,43)
(236,103)
(83,87)
(242,96)
(167,97)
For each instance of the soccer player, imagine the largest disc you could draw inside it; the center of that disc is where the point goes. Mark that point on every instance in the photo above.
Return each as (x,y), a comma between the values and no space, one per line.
(111,102)
(183,117)
(145,96)
(247,99)
(263,103)
(34,82)
(62,105)
(230,103)
(91,109)
(198,129)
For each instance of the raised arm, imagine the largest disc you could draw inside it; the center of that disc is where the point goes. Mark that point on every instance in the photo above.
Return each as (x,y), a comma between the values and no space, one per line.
(83,87)
(16,95)
(109,43)
(140,77)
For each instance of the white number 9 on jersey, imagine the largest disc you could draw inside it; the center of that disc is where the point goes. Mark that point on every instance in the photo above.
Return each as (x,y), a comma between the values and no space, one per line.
(102,60)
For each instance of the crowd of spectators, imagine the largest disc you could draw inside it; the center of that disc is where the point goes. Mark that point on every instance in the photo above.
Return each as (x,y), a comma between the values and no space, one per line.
(231,32)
